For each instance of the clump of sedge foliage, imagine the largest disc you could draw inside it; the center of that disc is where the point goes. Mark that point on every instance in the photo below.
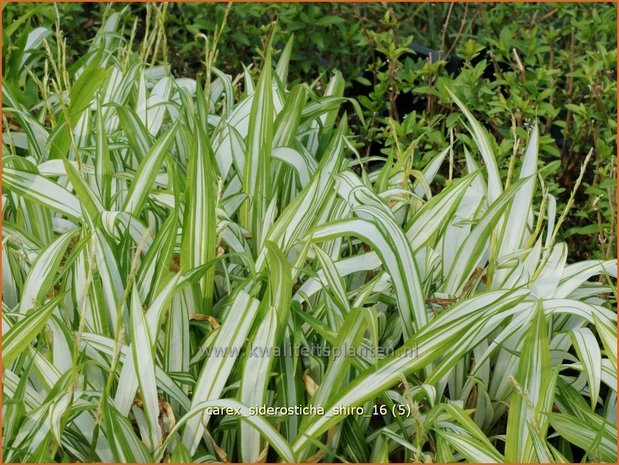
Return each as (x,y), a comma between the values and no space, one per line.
(155,229)
(511,63)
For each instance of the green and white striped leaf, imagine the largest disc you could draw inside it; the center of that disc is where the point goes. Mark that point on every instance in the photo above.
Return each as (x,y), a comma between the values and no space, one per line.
(147,171)
(21,334)
(44,272)
(40,190)
(214,374)
(533,395)
(145,370)
(589,353)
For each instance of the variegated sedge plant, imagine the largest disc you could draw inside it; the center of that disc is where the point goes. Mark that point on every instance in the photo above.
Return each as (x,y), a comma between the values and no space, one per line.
(156,230)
